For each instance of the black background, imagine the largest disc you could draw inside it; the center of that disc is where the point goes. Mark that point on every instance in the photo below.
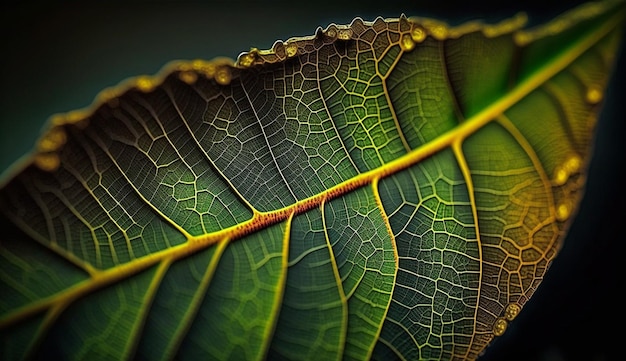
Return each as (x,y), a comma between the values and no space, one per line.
(56,56)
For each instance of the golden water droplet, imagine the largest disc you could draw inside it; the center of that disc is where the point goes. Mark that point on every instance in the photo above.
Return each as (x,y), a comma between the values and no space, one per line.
(331,32)
(562,173)
(53,140)
(560,176)
(511,311)
(188,77)
(573,164)
(562,212)
(418,34)
(223,76)
(594,95)
(407,43)
(145,84)
(344,34)
(291,50)
(247,59)
(48,162)
(499,326)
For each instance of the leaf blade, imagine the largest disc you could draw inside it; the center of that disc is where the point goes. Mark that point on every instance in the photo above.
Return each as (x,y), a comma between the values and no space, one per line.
(248,220)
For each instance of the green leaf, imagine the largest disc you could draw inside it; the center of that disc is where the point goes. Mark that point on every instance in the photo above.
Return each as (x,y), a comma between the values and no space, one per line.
(386,189)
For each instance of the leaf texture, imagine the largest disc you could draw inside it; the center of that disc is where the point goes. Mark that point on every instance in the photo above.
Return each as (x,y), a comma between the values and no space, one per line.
(393,189)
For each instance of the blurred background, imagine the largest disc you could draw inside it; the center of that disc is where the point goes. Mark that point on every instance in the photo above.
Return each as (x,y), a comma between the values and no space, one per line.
(58,55)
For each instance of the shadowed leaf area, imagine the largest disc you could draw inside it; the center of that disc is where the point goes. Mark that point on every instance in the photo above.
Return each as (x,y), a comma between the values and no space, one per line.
(386,189)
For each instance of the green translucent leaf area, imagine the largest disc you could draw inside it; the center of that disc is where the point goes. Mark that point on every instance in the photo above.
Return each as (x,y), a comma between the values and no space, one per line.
(393,189)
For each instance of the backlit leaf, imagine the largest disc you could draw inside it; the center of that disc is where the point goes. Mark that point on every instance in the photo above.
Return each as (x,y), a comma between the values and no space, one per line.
(385,189)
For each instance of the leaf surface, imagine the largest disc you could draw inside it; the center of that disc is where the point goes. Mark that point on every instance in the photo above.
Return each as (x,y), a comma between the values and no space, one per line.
(385,189)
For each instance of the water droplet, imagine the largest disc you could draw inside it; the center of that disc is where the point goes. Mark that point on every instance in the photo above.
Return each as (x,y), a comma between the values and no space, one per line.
(499,326)
(48,162)
(407,43)
(511,311)
(223,76)
(247,59)
(188,77)
(560,176)
(594,95)
(563,172)
(418,34)
(573,164)
(145,84)
(291,49)
(344,34)
(53,140)
(562,212)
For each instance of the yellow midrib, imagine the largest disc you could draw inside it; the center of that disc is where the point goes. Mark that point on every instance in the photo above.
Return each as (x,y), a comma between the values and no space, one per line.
(260,220)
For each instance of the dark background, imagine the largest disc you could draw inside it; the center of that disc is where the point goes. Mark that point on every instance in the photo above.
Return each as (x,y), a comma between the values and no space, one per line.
(56,56)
